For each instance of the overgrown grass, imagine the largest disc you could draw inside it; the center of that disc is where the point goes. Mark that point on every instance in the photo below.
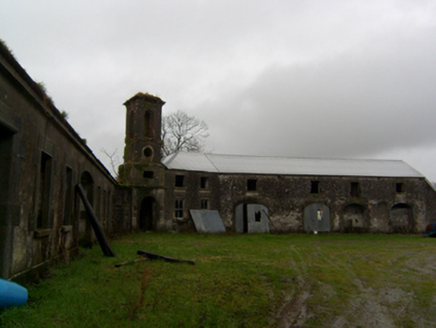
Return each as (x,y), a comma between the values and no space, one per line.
(239,281)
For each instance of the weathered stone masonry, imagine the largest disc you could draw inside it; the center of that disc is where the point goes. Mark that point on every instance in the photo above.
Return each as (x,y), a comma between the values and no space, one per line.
(375,206)
(162,195)
(43,159)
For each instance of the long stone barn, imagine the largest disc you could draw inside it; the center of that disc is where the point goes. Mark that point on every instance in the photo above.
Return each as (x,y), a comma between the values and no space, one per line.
(43,160)
(266,194)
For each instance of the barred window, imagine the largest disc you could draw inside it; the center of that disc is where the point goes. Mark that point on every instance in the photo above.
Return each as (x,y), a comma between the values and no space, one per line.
(178,208)
(204,204)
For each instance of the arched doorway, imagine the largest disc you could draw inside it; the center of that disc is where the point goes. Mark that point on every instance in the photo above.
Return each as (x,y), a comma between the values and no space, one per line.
(87,183)
(354,218)
(401,218)
(146,220)
(317,218)
(251,218)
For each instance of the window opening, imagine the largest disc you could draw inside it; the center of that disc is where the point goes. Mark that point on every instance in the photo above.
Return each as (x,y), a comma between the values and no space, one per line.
(257,216)
(180,180)
(147,124)
(130,126)
(148,152)
(148,174)
(68,196)
(204,204)
(178,208)
(400,188)
(251,184)
(204,183)
(314,187)
(44,191)
(355,189)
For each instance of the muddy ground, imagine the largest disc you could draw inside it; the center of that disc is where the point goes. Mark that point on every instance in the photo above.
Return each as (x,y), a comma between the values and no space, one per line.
(395,300)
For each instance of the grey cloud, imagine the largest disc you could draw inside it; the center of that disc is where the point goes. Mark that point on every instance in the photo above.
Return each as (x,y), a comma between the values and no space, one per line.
(357,103)
(324,78)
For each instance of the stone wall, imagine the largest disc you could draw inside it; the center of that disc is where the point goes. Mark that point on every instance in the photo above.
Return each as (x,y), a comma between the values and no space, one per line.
(196,189)
(354,204)
(43,159)
(369,206)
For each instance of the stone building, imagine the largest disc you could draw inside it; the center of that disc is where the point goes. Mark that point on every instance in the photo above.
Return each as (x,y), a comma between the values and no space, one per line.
(266,194)
(278,194)
(42,160)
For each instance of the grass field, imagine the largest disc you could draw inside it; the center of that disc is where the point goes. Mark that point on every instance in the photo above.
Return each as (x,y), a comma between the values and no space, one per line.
(326,280)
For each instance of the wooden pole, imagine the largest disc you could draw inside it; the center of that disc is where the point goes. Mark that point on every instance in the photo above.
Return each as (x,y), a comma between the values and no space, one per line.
(99,233)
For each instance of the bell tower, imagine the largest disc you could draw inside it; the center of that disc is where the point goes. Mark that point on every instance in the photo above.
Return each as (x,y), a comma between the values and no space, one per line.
(142,175)
(143,144)
(143,129)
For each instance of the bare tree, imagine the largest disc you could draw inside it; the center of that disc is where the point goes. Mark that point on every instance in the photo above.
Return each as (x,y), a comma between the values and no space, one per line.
(114,160)
(183,132)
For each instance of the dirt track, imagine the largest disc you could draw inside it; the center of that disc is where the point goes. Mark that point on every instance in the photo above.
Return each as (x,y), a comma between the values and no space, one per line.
(392,299)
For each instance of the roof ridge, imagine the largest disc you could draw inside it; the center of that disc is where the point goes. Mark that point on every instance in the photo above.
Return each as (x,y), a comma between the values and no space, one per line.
(170,159)
(310,158)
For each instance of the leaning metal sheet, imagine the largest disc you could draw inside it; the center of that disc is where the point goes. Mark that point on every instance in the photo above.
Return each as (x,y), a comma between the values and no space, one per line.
(207,221)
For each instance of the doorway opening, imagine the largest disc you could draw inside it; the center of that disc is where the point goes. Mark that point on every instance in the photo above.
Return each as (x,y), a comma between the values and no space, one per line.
(6,161)
(251,218)
(147,214)
(401,219)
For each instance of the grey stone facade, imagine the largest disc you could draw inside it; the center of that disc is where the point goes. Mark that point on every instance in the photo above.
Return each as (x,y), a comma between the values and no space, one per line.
(42,160)
(376,205)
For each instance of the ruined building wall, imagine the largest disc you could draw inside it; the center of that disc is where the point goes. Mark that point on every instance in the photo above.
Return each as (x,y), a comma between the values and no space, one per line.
(359,204)
(43,159)
(161,198)
(354,204)
(186,191)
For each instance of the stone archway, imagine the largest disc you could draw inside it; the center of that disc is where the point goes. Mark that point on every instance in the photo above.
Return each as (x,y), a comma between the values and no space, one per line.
(251,218)
(147,221)
(317,218)
(354,218)
(401,218)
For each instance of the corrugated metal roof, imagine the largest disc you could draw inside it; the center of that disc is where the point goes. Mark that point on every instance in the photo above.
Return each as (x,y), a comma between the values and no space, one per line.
(288,166)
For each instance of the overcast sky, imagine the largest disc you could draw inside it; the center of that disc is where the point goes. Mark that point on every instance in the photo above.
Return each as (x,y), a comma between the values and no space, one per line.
(328,79)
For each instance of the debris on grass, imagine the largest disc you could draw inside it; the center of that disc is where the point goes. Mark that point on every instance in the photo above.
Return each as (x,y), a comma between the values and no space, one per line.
(153,256)
(131,262)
